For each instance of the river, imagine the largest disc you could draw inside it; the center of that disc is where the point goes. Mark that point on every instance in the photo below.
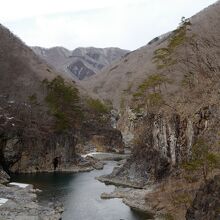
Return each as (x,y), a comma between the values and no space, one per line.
(80,195)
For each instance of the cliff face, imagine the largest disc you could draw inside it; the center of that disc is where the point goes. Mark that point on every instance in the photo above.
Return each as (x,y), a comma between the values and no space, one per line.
(174,99)
(34,149)
(29,141)
(164,141)
(104,139)
(36,155)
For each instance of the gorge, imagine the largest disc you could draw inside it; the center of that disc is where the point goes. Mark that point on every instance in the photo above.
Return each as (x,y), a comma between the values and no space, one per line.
(146,123)
(79,192)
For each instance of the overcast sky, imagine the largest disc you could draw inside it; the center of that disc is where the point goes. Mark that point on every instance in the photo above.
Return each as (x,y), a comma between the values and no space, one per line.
(127,24)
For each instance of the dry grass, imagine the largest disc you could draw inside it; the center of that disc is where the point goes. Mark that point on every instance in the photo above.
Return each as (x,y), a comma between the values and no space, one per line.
(174,195)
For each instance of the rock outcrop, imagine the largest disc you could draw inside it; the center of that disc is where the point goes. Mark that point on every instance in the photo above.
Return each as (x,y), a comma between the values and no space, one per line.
(164,142)
(104,139)
(22,204)
(24,156)
(174,100)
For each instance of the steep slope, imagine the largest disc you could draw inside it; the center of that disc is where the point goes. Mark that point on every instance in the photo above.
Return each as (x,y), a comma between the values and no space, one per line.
(173,81)
(42,115)
(207,202)
(21,70)
(126,74)
(26,126)
(168,99)
(80,63)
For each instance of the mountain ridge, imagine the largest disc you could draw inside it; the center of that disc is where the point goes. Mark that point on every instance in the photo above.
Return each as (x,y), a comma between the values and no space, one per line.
(42,110)
(167,98)
(126,74)
(81,62)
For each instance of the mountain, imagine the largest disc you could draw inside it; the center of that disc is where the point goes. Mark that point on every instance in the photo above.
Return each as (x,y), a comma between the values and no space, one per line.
(166,102)
(43,115)
(80,63)
(167,97)
(21,69)
(131,70)
(26,120)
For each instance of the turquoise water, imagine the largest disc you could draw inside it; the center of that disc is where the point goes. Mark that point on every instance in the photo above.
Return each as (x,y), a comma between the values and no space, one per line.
(80,195)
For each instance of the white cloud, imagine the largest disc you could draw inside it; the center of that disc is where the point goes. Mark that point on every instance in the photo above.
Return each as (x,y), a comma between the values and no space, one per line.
(101,23)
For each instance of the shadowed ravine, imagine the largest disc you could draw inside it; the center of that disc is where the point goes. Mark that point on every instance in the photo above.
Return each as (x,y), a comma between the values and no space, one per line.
(80,194)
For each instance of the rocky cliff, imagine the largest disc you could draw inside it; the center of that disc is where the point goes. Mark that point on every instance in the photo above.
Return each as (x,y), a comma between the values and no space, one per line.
(168,94)
(168,101)
(80,63)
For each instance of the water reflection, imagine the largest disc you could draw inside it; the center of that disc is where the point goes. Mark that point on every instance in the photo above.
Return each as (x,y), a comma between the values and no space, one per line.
(80,194)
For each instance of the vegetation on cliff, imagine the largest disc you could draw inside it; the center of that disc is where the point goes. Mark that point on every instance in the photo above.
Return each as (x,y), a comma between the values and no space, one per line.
(203,161)
(150,91)
(97,106)
(172,109)
(64,103)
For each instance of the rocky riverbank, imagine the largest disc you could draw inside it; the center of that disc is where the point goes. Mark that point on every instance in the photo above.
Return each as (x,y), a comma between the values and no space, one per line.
(21,204)
(121,176)
(131,195)
(134,198)
(174,198)
(132,191)
(125,182)
(83,164)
